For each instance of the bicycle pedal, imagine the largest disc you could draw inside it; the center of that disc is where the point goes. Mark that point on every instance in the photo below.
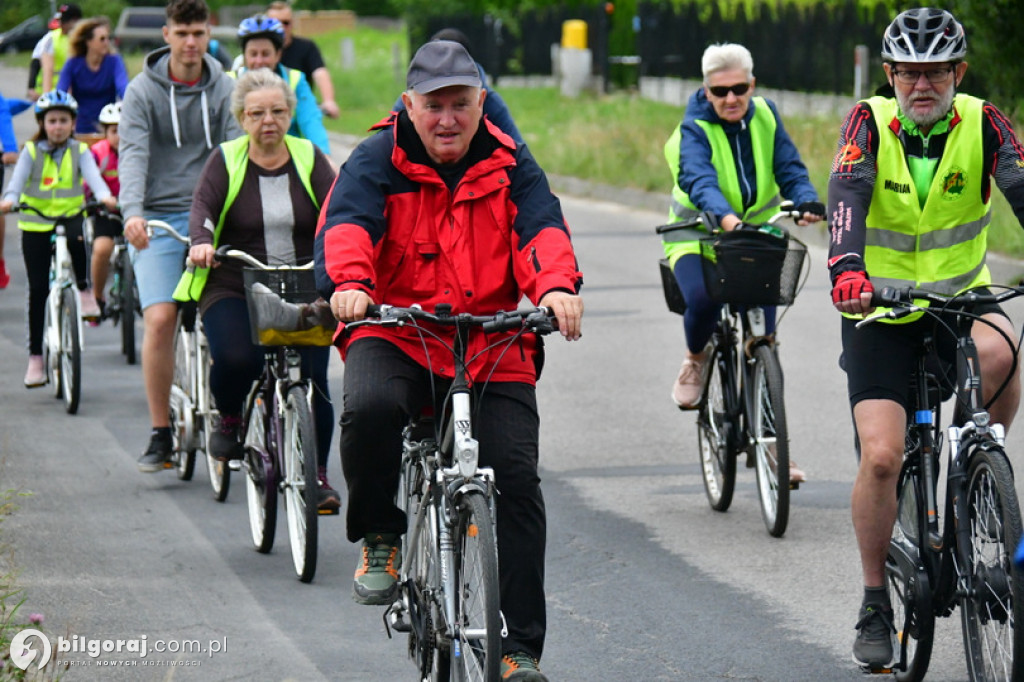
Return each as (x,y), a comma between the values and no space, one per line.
(794,485)
(877,671)
(235,464)
(328,512)
(395,617)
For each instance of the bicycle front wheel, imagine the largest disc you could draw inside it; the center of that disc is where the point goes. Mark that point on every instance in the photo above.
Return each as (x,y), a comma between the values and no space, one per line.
(261,479)
(991,609)
(182,414)
(70,351)
(770,440)
(907,581)
(129,296)
(714,425)
(301,486)
(475,654)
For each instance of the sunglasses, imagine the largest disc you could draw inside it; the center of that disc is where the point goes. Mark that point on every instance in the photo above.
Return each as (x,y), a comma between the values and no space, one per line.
(724,90)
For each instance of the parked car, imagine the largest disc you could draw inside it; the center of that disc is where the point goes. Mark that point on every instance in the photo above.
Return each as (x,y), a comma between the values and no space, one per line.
(141,28)
(24,36)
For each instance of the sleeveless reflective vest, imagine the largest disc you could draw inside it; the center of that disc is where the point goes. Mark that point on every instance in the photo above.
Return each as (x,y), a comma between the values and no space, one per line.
(52,190)
(762,139)
(236,160)
(938,244)
(60,55)
(106,160)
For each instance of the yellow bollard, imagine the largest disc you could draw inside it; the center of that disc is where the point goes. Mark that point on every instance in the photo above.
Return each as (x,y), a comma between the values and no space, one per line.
(574,34)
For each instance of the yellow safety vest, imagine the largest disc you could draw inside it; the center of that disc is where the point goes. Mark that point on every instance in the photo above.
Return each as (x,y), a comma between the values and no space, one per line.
(939,244)
(762,138)
(236,159)
(52,190)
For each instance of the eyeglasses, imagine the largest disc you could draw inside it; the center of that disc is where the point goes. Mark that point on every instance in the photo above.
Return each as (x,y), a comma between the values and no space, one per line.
(286,23)
(257,115)
(933,75)
(724,90)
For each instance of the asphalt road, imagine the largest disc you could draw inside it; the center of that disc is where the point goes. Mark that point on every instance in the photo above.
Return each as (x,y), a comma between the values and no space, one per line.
(645,582)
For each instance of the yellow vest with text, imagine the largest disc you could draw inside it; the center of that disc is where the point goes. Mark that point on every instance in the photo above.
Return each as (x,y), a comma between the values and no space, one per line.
(60,55)
(939,244)
(762,139)
(52,190)
(236,159)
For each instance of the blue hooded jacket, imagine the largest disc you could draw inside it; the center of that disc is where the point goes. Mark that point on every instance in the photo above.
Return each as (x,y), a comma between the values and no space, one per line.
(698,177)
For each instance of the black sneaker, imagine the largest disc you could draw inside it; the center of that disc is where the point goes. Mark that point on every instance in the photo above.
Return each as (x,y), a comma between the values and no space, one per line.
(873,649)
(157,456)
(328,500)
(224,443)
(519,666)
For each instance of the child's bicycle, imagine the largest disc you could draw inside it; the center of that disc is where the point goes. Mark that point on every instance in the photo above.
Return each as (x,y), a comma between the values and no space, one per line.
(742,408)
(62,336)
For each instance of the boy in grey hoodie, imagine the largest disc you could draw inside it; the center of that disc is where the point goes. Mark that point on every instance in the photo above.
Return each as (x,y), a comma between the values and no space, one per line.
(174,114)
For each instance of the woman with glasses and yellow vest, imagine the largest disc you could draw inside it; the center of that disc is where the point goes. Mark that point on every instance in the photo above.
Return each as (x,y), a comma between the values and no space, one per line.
(48,176)
(732,158)
(260,193)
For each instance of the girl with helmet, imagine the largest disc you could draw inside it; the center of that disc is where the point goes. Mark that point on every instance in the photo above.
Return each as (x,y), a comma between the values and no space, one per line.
(105,229)
(48,176)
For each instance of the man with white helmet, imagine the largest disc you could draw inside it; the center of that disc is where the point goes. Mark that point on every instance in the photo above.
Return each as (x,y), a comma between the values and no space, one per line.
(917,160)
(105,229)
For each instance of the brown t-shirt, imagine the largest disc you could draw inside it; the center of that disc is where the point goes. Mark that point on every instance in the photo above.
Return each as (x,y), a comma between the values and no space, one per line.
(272,218)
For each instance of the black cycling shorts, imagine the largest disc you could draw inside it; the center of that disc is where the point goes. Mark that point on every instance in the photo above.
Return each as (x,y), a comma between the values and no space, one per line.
(103,226)
(879,359)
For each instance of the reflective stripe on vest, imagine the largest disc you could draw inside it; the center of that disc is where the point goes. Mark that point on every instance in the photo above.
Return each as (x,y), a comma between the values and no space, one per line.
(940,245)
(52,190)
(236,159)
(762,140)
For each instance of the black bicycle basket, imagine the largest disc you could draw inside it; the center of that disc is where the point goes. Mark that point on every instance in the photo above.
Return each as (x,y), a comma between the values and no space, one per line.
(752,268)
(275,319)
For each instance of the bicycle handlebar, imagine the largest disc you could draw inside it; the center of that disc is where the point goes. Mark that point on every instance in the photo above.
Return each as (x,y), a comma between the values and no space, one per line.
(89,207)
(900,301)
(167,229)
(787,209)
(539,320)
(226,252)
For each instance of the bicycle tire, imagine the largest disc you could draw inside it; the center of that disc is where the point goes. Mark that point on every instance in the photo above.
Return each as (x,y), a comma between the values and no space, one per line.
(261,477)
(129,300)
(182,416)
(718,465)
(51,344)
(421,586)
(907,581)
(475,653)
(770,440)
(70,351)
(991,609)
(301,485)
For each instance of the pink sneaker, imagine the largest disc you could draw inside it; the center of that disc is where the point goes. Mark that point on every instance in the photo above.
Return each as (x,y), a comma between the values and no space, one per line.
(35,376)
(5,278)
(90,308)
(689,385)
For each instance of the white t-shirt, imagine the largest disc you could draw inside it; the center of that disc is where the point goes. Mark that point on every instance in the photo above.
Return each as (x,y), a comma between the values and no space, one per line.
(44,46)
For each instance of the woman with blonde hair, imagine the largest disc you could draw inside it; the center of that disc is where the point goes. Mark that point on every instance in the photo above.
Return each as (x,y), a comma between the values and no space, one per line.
(94,75)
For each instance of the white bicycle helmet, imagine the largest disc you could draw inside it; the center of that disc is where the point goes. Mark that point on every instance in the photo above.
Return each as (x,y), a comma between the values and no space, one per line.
(922,35)
(111,114)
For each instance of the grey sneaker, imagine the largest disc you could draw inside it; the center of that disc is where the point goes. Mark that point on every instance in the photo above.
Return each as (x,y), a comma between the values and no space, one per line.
(157,456)
(876,638)
(519,666)
(376,579)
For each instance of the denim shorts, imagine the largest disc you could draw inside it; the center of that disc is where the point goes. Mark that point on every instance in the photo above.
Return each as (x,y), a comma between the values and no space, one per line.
(159,267)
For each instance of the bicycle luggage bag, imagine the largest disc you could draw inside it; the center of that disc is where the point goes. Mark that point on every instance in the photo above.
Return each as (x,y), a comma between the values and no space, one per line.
(276,314)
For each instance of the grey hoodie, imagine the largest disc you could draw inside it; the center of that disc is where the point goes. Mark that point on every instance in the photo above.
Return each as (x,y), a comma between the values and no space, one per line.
(167,131)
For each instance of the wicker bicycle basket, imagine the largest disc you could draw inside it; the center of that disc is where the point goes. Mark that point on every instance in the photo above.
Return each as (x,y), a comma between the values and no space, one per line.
(274,316)
(752,268)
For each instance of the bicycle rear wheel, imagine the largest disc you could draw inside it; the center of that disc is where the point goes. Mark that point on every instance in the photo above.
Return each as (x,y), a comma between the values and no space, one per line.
(421,584)
(770,440)
(301,486)
(714,426)
(261,478)
(70,351)
(991,610)
(908,583)
(475,654)
(129,300)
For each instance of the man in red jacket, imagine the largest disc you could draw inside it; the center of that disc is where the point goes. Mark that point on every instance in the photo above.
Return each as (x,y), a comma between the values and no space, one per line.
(441,207)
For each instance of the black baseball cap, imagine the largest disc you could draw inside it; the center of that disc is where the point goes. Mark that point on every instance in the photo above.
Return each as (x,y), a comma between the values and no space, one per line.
(69,12)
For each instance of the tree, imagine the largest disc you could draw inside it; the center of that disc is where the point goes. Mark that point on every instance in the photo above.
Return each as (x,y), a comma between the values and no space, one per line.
(993,36)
